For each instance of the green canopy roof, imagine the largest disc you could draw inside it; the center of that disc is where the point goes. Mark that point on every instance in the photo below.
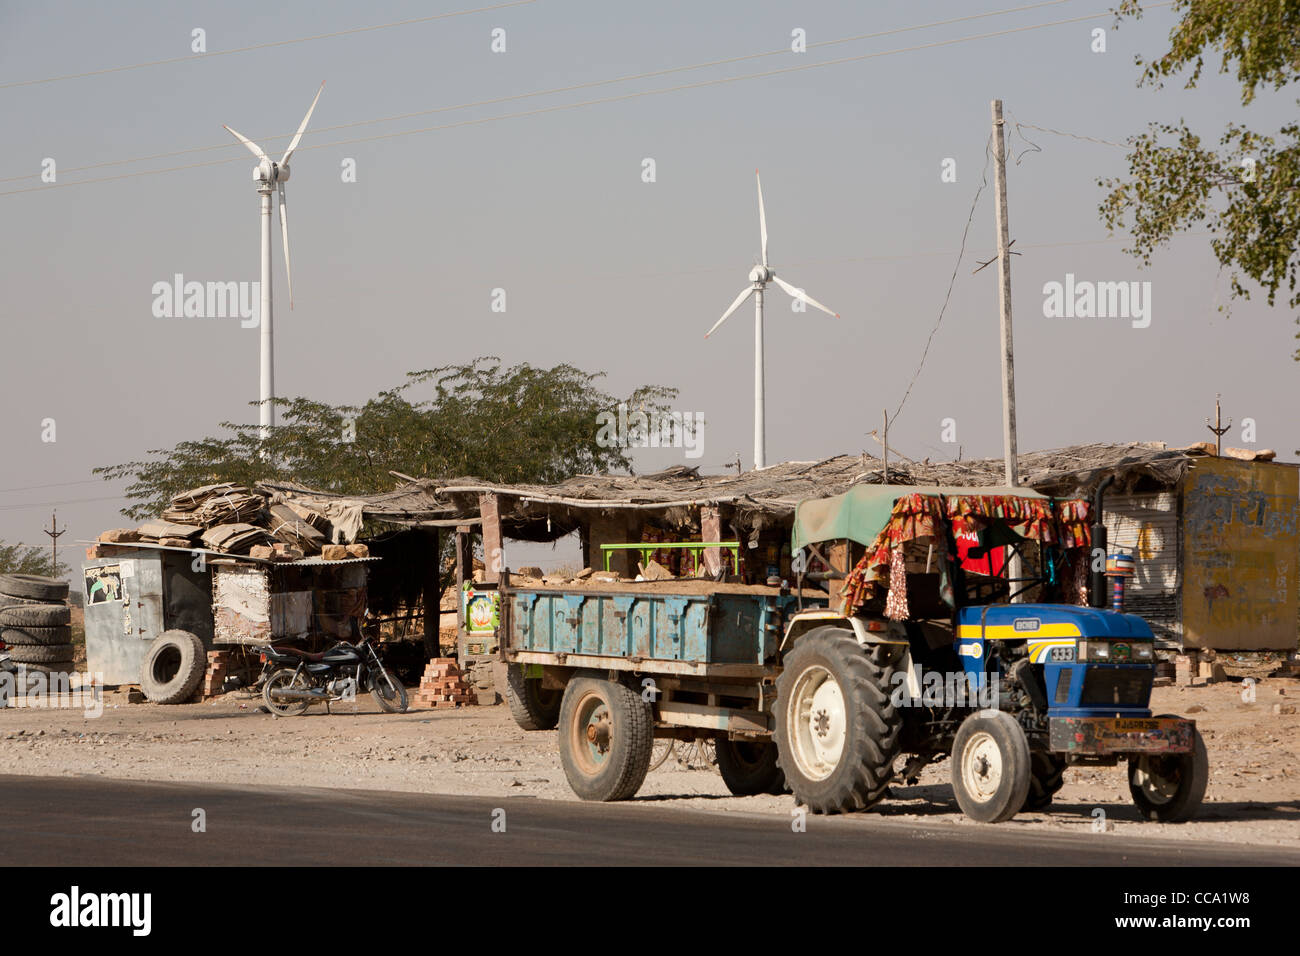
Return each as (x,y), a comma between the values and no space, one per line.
(861,512)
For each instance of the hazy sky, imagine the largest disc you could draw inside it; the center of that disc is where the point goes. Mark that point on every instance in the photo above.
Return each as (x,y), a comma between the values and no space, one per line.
(396,271)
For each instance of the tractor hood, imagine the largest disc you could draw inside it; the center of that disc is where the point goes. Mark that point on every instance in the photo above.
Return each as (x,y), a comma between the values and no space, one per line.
(1009,621)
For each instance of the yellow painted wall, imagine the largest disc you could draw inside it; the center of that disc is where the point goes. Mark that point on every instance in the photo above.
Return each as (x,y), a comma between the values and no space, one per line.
(1241,565)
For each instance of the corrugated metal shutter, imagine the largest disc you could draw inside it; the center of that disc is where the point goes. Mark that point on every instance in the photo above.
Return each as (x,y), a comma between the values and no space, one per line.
(1147,526)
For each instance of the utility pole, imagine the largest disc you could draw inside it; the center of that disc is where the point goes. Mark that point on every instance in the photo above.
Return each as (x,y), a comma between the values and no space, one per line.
(55,533)
(884,444)
(1218,427)
(1004,301)
(1004,297)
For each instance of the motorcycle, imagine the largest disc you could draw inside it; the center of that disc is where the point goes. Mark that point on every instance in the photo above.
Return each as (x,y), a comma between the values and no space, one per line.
(297,679)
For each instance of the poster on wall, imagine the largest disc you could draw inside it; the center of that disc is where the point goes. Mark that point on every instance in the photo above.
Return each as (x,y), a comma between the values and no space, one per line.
(103,585)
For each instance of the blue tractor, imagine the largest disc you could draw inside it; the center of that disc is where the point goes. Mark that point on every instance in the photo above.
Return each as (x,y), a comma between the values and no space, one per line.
(931,650)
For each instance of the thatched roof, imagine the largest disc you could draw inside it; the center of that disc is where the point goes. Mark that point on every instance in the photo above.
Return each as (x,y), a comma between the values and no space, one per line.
(761,497)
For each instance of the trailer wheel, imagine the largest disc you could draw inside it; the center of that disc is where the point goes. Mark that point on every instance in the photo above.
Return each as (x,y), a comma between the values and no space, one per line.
(173,667)
(1169,788)
(533,706)
(990,766)
(606,736)
(1046,777)
(749,767)
(837,729)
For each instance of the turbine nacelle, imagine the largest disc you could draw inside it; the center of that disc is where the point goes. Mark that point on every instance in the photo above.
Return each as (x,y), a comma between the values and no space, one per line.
(760,274)
(270,172)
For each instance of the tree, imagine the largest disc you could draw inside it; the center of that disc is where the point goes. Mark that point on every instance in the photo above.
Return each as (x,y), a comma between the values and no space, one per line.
(24,559)
(517,424)
(1245,189)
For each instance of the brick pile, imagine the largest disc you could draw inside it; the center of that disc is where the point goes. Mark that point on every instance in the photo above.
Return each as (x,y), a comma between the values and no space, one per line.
(443,685)
(218,669)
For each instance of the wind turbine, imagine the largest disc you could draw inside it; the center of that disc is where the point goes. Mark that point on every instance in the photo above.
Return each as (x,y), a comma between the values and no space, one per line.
(759,277)
(270,177)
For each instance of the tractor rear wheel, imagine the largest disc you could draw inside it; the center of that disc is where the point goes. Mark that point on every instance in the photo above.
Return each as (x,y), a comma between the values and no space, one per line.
(837,728)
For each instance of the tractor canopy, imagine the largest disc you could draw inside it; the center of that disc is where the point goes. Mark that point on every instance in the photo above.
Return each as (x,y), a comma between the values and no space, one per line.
(864,511)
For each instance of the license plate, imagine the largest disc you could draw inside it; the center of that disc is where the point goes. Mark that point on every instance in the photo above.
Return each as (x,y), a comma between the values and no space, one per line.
(1108,735)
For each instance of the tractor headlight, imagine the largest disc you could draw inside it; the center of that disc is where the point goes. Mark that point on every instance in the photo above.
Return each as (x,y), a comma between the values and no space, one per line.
(1094,651)
(1107,652)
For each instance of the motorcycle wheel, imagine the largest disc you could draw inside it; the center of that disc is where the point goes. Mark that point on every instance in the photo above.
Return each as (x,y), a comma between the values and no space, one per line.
(388,692)
(285,680)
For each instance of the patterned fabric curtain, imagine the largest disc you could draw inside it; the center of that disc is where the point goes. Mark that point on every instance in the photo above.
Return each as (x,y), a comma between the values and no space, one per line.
(917,516)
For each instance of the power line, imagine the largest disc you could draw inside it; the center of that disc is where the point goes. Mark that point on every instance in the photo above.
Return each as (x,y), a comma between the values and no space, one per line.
(600,100)
(59,484)
(984,181)
(262,46)
(558,89)
(54,504)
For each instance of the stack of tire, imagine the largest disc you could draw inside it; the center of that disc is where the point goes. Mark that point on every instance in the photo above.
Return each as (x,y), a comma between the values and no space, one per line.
(36,622)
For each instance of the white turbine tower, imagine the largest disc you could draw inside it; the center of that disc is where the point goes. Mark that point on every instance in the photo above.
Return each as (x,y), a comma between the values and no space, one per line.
(270,177)
(759,278)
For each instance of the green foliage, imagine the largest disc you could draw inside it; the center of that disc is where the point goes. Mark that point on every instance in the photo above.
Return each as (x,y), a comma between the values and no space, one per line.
(1244,191)
(516,424)
(22,559)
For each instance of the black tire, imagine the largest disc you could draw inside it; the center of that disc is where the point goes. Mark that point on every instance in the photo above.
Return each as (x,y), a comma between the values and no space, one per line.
(35,615)
(42,653)
(44,636)
(1046,777)
(391,699)
(606,733)
(532,706)
(856,774)
(173,667)
(33,587)
(1170,788)
(749,767)
(990,766)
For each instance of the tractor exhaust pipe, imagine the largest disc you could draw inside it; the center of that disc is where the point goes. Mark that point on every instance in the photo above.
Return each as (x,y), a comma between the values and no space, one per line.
(1097,579)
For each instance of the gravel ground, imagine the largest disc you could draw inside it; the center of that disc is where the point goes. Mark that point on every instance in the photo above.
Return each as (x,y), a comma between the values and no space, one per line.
(1253,796)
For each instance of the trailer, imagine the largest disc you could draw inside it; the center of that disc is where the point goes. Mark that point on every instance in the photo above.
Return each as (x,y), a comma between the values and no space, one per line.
(617,665)
(903,642)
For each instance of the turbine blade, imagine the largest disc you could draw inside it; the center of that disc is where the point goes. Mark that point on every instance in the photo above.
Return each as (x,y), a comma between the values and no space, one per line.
(252,147)
(284,233)
(293,144)
(734,306)
(762,217)
(798,294)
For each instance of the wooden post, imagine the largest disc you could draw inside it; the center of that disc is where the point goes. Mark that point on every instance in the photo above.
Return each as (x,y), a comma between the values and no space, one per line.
(493,556)
(711,530)
(432,592)
(1004,297)
(1011,464)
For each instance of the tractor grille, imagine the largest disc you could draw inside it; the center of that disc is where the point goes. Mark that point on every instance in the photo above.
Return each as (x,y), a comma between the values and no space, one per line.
(1116,686)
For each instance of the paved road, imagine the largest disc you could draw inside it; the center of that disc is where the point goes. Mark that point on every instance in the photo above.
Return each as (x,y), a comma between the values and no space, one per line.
(91,821)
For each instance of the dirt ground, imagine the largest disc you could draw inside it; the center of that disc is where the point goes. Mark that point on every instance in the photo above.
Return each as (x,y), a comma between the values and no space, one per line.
(1253,795)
